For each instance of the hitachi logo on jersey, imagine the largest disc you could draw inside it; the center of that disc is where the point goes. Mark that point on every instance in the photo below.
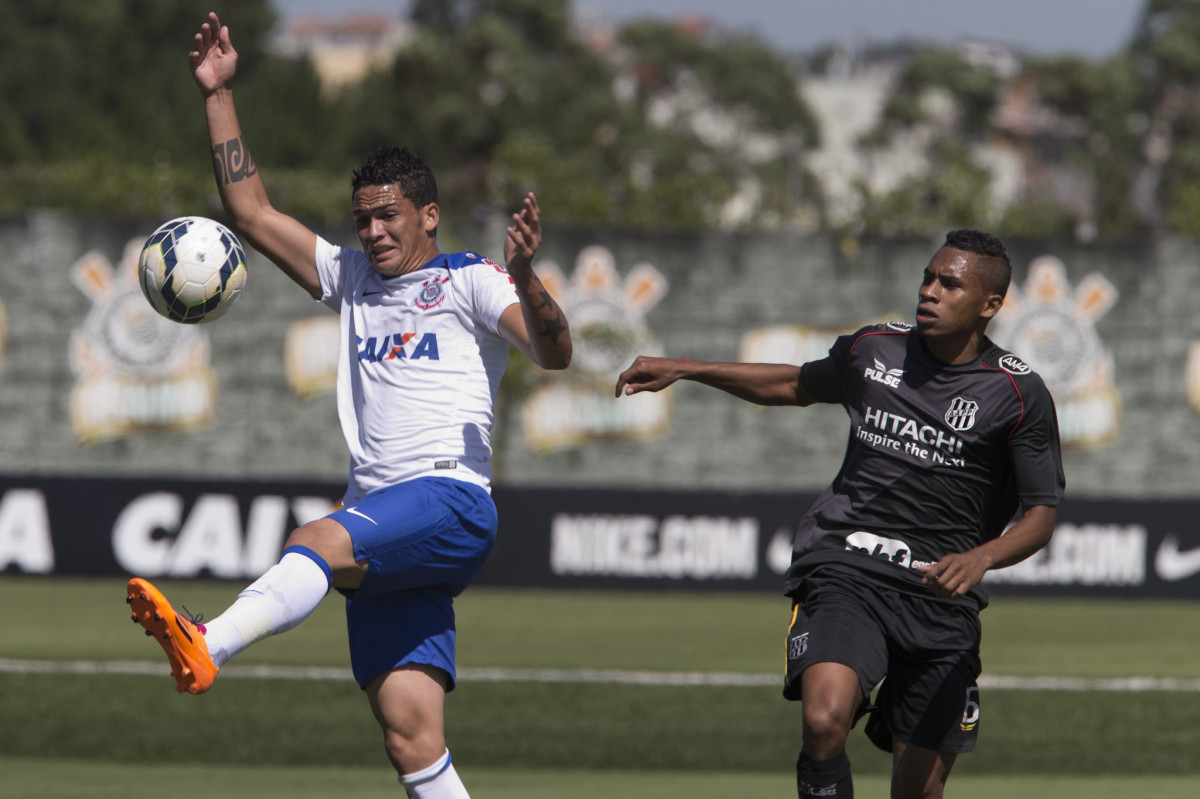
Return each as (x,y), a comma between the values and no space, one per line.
(903,427)
(881,374)
(397,345)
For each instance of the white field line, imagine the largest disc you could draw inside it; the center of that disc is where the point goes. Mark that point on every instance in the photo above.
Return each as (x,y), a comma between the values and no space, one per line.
(606,676)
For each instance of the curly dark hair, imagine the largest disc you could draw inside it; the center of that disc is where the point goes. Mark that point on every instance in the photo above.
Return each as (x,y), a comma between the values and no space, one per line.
(393,164)
(993,266)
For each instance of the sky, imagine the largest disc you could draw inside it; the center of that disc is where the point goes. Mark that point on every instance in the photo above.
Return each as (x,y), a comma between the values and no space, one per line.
(1092,28)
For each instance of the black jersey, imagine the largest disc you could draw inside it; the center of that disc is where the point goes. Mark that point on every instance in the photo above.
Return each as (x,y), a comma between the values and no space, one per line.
(939,456)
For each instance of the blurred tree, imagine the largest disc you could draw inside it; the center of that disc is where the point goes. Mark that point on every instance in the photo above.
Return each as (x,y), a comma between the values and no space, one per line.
(1094,130)
(107,76)
(948,103)
(953,192)
(667,125)
(502,96)
(1166,54)
(99,110)
(737,117)
(973,89)
(543,24)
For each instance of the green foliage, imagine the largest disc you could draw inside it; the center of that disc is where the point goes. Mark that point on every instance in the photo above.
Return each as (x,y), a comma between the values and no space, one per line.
(99,114)
(1164,43)
(1037,218)
(542,23)
(111,121)
(953,193)
(973,89)
(106,77)
(1166,54)
(1182,189)
(1100,101)
(738,73)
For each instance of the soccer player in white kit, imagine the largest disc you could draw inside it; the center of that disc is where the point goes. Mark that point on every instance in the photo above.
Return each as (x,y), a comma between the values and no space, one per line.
(425,338)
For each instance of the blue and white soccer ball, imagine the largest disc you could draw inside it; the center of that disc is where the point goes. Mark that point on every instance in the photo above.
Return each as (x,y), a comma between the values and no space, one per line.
(192,269)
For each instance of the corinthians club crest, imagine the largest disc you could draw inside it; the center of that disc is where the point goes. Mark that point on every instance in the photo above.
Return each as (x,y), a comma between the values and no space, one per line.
(134,370)
(432,293)
(608,328)
(1051,326)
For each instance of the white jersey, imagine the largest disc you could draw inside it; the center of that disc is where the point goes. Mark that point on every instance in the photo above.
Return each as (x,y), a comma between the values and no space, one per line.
(419,365)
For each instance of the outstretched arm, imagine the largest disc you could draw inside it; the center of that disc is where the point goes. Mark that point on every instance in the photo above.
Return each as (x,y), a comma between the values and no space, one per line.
(289,244)
(760,383)
(536,325)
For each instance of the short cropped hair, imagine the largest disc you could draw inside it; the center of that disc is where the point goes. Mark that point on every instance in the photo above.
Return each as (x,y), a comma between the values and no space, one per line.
(993,265)
(393,164)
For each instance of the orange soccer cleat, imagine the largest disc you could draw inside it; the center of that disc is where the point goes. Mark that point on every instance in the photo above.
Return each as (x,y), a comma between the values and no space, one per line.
(180,637)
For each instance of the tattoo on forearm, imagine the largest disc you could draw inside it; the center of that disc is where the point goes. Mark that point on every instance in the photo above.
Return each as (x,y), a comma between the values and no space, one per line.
(232,162)
(553,323)
(553,328)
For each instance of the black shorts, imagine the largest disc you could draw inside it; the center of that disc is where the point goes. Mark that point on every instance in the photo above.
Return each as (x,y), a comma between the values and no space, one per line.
(925,653)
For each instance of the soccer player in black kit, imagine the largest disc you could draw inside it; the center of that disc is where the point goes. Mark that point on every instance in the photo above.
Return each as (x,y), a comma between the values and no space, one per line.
(949,436)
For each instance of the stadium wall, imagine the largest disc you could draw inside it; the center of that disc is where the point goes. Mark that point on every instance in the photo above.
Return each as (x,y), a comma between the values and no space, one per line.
(94,387)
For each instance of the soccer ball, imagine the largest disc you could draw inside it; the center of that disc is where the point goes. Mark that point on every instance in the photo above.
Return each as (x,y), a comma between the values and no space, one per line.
(192,269)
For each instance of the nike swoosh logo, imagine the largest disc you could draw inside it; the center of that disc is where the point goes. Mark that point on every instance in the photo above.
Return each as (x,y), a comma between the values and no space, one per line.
(357,512)
(1173,565)
(779,551)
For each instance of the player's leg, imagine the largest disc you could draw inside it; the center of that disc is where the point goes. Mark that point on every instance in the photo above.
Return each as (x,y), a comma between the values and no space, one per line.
(432,537)
(929,706)
(831,696)
(919,773)
(317,554)
(408,703)
(835,654)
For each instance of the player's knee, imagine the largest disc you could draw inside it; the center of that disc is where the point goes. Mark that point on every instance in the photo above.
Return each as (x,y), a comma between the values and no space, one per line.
(410,752)
(328,540)
(826,728)
(307,535)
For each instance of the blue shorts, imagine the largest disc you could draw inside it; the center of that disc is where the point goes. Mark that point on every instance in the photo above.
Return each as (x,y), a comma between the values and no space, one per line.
(423,540)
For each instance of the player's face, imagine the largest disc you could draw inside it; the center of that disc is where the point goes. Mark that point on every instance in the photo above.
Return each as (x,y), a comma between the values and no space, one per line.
(395,235)
(952,301)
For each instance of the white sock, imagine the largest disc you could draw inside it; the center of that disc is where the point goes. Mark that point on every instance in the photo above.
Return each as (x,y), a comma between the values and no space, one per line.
(439,781)
(279,600)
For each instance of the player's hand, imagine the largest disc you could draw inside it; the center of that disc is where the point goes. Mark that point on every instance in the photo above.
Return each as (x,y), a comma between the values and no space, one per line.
(523,238)
(213,60)
(955,574)
(649,374)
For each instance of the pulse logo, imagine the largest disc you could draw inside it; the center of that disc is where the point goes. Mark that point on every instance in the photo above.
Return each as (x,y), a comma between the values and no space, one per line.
(881,374)
(396,346)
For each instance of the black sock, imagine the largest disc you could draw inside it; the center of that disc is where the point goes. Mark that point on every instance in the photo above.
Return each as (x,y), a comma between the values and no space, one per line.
(824,779)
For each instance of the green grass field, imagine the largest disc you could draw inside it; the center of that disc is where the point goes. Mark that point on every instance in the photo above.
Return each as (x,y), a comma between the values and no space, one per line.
(130,735)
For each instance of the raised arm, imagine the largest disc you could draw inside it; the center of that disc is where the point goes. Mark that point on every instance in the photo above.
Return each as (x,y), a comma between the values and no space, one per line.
(760,383)
(536,325)
(289,244)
